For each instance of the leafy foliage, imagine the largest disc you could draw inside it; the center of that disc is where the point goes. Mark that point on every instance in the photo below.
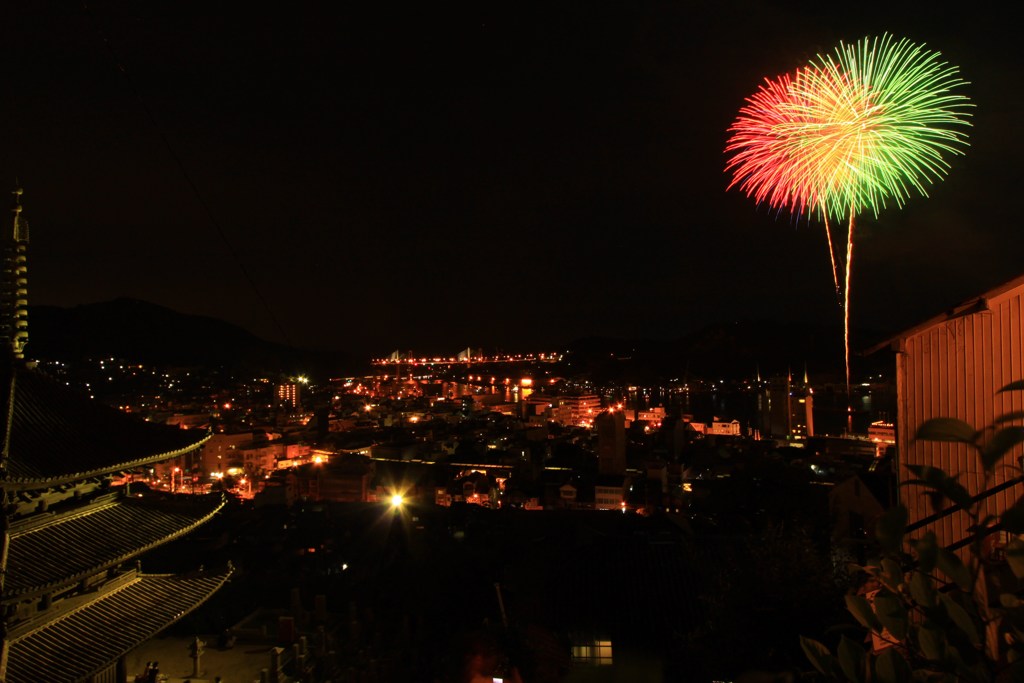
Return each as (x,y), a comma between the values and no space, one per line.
(931,616)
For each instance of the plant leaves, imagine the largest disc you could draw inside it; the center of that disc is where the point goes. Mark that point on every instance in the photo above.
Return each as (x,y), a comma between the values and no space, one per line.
(890,667)
(1013,386)
(1001,443)
(921,589)
(1009,600)
(932,642)
(946,429)
(851,659)
(890,529)
(1015,671)
(892,574)
(1015,557)
(1009,417)
(927,552)
(952,567)
(985,523)
(960,617)
(862,612)
(937,479)
(818,655)
(892,613)
(977,672)
(1013,519)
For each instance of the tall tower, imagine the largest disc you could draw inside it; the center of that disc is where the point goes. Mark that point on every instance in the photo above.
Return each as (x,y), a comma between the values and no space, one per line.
(611,442)
(14,283)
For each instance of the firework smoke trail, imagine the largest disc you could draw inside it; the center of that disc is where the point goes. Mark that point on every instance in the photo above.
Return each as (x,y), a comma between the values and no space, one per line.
(832,258)
(846,302)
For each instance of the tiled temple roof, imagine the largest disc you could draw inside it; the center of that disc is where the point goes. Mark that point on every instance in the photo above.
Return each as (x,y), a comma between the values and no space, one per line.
(78,544)
(88,639)
(58,436)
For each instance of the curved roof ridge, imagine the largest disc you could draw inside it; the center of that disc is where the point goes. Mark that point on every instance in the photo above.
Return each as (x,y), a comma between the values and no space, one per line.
(80,545)
(80,643)
(58,436)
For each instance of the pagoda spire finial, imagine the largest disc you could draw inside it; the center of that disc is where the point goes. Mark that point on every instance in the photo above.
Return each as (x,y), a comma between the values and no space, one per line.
(14,282)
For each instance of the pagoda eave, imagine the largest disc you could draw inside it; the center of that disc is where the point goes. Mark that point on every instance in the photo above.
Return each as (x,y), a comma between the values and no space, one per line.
(82,642)
(32,483)
(47,557)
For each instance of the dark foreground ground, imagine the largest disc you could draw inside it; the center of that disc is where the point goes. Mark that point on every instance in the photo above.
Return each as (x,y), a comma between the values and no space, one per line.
(411,594)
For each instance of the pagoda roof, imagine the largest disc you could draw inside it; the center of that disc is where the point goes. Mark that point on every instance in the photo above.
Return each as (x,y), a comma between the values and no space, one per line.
(86,640)
(57,436)
(66,547)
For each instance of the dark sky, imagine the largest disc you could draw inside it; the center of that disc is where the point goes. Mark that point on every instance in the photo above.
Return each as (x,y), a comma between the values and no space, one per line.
(445,175)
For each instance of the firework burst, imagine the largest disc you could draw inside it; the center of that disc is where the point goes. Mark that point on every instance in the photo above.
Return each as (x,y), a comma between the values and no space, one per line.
(869,125)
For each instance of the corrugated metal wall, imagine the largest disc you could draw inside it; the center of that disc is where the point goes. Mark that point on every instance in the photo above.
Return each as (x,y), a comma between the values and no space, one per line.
(955,368)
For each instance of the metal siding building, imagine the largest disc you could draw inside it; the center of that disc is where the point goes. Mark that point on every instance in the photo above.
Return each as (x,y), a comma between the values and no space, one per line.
(954,366)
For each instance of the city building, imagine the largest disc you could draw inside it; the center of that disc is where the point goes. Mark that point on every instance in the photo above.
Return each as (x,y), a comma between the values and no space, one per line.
(579,410)
(723,428)
(652,416)
(883,435)
(954,365)
(342,479)
(289,395)
(611,442)
(220,454)
(787,409)
(536,408)
(854,511)
(609,492)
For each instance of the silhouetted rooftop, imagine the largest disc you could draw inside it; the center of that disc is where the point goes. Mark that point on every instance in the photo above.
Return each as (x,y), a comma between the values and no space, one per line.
(80,543)
(58,436)
(67,648)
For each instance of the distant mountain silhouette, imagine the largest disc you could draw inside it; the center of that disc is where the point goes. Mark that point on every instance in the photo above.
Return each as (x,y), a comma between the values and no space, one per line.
(148,333)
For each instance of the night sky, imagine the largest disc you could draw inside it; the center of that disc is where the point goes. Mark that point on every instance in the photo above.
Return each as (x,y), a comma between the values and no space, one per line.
(367,177)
